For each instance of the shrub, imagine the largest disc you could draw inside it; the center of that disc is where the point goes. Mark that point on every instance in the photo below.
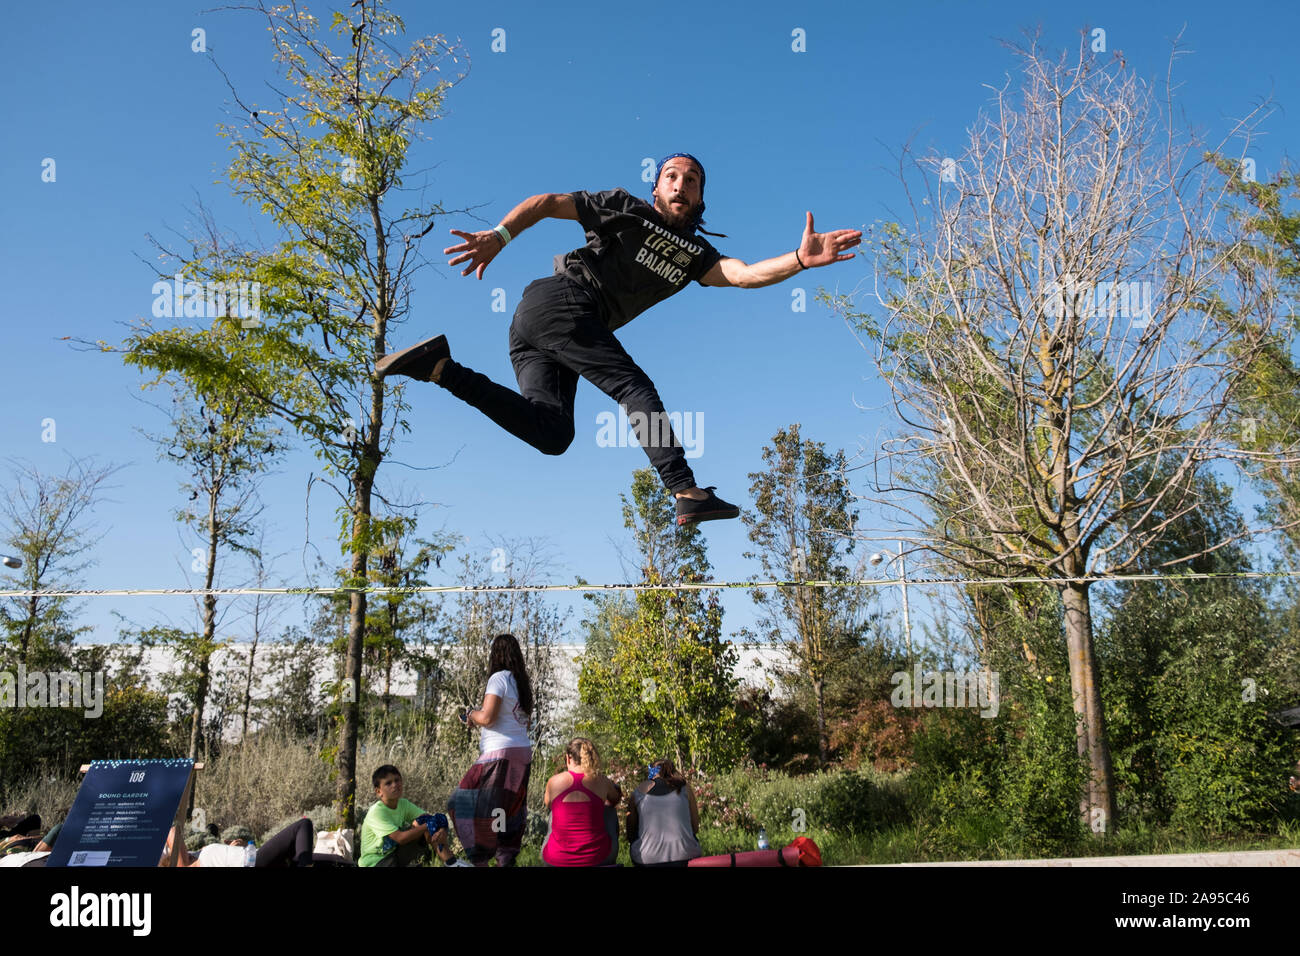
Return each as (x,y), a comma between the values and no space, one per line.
(841,800)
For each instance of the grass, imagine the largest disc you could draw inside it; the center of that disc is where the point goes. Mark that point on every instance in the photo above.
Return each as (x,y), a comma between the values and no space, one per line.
(855,817)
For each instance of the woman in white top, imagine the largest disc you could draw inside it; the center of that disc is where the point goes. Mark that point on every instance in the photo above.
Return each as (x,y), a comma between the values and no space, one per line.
(496,787)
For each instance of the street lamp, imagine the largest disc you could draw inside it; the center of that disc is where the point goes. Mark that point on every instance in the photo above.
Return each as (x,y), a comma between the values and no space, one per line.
(10,561)
(878,558)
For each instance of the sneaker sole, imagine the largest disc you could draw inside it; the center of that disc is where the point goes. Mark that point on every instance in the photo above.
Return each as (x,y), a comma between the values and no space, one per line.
(708,516)
(386,365)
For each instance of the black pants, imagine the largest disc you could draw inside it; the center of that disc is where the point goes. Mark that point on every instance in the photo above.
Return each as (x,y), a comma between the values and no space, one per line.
(557,335)
(292,846)
(408,854)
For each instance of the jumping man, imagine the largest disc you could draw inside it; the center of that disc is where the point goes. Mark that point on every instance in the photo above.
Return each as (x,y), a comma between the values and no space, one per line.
(636,254)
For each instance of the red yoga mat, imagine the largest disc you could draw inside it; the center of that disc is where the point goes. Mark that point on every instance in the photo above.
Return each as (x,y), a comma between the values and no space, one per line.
(802,852)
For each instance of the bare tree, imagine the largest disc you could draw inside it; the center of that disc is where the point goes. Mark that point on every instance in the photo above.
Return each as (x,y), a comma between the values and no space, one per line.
(264,615)
(478,616)
(1062,338)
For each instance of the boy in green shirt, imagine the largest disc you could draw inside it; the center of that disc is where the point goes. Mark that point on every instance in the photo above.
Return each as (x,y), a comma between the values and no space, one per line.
(387,837)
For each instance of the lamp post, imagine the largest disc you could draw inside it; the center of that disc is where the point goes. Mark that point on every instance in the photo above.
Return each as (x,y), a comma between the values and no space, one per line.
(9,561)
(876,559)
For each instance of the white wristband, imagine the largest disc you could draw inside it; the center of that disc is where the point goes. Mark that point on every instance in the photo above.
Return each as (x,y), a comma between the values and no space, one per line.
(504,233)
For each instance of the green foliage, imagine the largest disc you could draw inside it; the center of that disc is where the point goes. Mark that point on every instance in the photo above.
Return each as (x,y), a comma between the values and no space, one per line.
(39,741)
(1043,775)
(802,529)
(1011,780)
(845,801)
(45,523)
(784,729)
(324,162)
(659,681)
(1190,689)
(292,700)
(667,687)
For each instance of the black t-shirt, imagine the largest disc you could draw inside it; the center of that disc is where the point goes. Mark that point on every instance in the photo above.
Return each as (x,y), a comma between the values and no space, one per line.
(632,258)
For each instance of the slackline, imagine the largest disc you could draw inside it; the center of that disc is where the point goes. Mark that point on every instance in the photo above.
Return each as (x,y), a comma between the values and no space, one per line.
(693,586)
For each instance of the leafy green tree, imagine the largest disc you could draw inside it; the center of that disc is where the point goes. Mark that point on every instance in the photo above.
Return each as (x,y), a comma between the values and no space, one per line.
(1193,670)
(802,525)
(315,311)
(664,680)
(224,444)
(47,527)
(1268,405)
(402,562)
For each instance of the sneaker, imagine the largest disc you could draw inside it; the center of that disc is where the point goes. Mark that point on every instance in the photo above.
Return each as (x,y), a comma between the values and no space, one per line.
(417,361)
(711,508)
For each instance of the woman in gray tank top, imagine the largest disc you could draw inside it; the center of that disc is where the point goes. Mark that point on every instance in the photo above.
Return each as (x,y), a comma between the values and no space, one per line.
(663,819)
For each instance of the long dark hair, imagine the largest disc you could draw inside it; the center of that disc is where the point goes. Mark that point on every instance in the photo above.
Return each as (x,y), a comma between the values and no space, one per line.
(506,656)
(668,774)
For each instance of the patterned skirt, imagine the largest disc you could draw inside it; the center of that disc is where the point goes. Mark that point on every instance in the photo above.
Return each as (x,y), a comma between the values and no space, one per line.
(490,806)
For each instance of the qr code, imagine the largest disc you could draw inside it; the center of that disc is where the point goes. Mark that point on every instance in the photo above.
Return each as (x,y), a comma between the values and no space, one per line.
(89,857)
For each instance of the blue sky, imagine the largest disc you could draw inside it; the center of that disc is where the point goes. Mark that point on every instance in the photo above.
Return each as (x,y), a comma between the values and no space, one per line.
(580,96)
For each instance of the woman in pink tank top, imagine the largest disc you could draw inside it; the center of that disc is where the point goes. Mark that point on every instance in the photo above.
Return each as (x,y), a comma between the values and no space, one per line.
(577,798)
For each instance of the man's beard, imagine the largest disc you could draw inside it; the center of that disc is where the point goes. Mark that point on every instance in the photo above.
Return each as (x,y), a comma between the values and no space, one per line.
(678,220)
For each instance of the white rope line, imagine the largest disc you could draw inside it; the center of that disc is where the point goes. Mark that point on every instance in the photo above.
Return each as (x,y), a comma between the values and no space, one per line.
(701,586)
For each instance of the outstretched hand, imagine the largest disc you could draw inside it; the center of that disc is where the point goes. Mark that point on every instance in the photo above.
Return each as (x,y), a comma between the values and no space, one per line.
(823,248)
(479,248)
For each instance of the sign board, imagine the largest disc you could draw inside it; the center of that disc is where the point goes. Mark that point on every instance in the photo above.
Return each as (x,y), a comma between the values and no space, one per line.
(123,812)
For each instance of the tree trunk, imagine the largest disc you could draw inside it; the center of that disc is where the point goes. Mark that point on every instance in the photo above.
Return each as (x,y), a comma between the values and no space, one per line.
(209,631)
(388,659)
(252,655)
(364,479)
(823,742)
(30,625)
(347,757)
(200,698)
(1096,804)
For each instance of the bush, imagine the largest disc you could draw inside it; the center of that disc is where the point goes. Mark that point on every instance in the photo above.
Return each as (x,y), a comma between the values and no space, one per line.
(1044,775)
(844,801)
(1193,746)
(989,787)
(875,734)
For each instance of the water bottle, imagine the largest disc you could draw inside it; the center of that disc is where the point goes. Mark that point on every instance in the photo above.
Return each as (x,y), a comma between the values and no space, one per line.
(250,854)
(762,838)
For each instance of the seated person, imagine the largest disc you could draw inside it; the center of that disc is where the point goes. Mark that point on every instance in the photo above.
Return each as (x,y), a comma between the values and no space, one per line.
(579,798)
(19,833)
(29,849)
(52,834)
(292,846)
(663,819)
(387,835)
(24,858)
